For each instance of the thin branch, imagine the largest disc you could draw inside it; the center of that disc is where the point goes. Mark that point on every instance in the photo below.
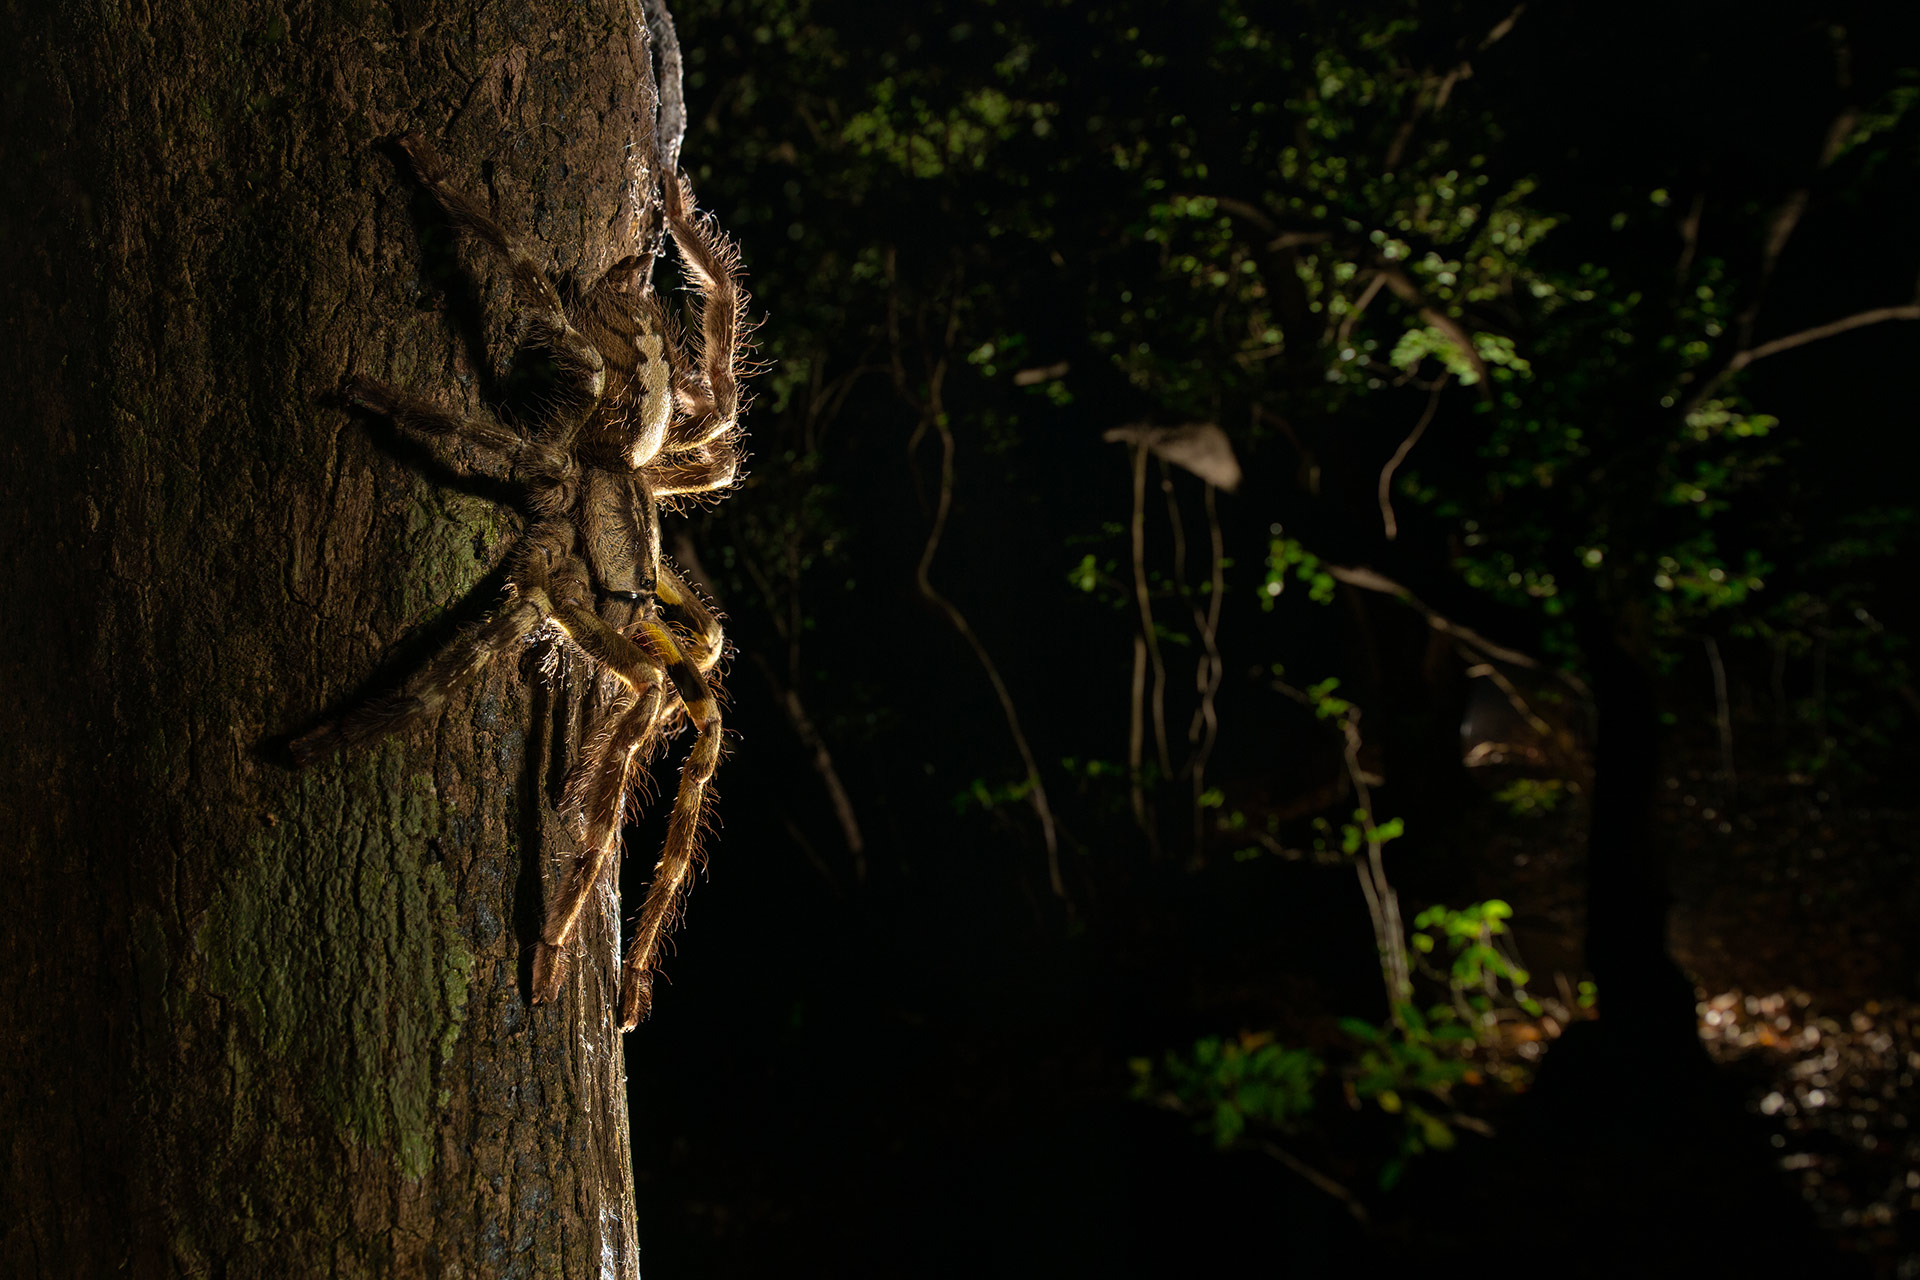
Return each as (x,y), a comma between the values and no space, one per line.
(1786,218)
(1205,730)
(1383,903)
(1690,236)
(1360,304)
(824,401)
(1369,580)
(1395,277)
(1311,464)
(1158,701)
(1294,239)
(1511,692)
(789,699)
(1204,726)
(922,575)
(1247,211)
(1431,98)
(1172,1102)
(1408,292)
(1177,527)
(1501,29)
(1136,741)
(1833,328)
(1723,718)
(1400,456)
(1780,228)
(816,746)
(1318,1179)
(933,416)
(799,838)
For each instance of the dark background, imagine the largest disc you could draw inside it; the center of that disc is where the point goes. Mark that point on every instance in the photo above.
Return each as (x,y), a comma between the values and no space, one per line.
(915,1061)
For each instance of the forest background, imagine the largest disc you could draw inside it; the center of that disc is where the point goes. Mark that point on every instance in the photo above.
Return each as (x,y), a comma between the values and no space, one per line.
(1521,324)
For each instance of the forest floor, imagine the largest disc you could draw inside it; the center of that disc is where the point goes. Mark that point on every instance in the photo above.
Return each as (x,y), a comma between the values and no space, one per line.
(1801,920)
(932,1078)
(1795,915)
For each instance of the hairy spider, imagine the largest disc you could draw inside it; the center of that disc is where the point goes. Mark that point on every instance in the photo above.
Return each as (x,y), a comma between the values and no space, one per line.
(644,415)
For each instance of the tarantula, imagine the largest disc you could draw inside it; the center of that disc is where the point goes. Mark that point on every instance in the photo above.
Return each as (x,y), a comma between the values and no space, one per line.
(644,414)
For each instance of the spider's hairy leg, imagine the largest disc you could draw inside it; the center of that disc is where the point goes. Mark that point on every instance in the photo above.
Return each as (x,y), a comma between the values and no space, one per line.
(682,854)
(579,360)
(430,687)
(702,470)
(596,637)
(596,796)
(712,265)
(604,771)
(495,441)
(704,640)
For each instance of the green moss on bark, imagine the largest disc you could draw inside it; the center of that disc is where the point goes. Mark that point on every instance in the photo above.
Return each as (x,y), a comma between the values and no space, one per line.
(363,1012)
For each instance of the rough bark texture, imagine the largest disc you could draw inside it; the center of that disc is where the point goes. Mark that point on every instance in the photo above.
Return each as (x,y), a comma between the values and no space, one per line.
(259,1022)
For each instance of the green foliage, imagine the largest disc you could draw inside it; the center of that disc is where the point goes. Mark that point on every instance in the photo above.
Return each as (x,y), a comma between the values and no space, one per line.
(1325,705)
(1532,797)
(1406,1066)
(1286,557)
(1407,1070)
(1471,936)
(1228,1084)
(909,133)
(1361,832)
(980,794)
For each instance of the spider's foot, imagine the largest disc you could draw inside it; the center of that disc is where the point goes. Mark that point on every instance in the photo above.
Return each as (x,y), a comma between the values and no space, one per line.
(426,161)
(313,744)
(365,393)
(549,971)
(636,998)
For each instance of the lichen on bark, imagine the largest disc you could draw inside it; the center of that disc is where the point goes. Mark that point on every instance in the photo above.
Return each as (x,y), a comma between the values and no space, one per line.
(305,1008)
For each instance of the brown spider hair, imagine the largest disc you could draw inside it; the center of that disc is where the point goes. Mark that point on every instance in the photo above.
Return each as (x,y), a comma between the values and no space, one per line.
(647,412)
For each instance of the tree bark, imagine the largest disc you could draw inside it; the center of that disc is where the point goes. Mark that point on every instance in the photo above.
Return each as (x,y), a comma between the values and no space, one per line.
(259,1022)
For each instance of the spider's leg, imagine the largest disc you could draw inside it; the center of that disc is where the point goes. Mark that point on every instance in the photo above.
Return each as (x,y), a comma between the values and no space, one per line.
(596,795)
(705,640)
(682,854)
(702,470)
(637,718)
(634,666)
(428,689)
(712,266)
(495,441)
(580,362)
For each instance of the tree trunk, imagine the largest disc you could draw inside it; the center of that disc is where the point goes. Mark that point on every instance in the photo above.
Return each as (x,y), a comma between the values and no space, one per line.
(259,1022)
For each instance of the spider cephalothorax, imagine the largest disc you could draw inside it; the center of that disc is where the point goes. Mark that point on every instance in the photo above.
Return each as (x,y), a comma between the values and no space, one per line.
(643,415)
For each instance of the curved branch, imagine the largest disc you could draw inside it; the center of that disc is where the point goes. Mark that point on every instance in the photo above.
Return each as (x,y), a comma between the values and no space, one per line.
(1833,328)
(933,415)
(789,700)
(1400,456)
(1408,292)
